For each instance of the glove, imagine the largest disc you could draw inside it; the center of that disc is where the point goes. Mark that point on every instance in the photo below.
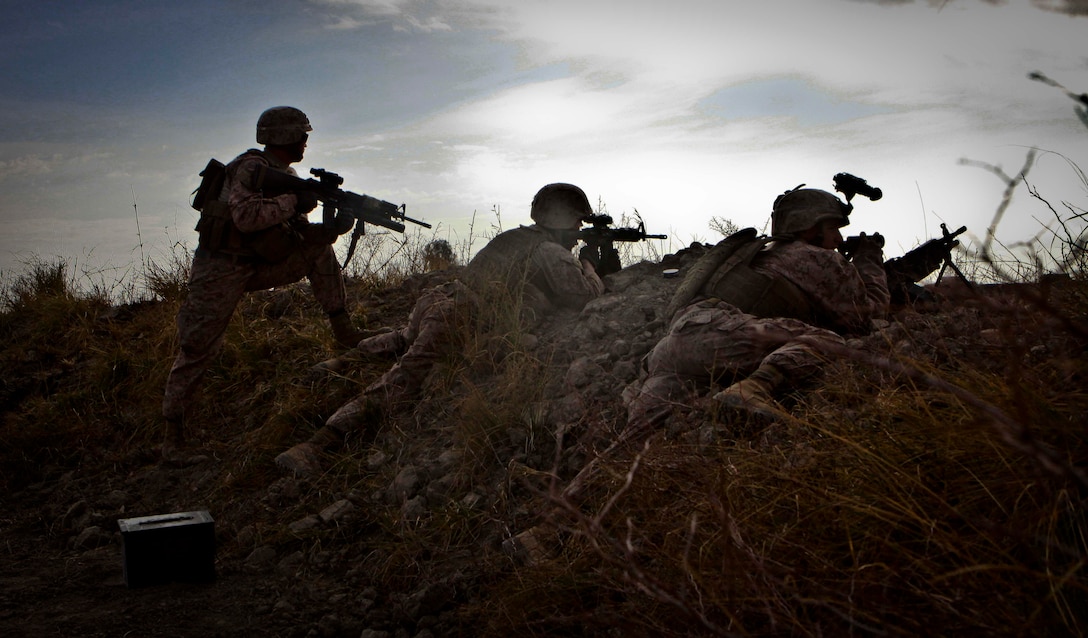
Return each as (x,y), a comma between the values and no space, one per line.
(870,243)
(863,245)
(305,201)
(610,262)
(590,254)
(342,223)
(868,247)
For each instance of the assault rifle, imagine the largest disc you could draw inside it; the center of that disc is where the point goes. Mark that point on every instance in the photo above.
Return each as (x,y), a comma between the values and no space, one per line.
(904,272)
(326,187)
(599,238)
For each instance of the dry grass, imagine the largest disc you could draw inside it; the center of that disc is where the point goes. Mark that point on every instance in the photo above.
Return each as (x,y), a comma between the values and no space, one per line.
(931,485)
(882,507)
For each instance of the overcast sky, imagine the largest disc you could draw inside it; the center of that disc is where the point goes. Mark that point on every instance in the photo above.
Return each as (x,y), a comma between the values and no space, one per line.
(683,110)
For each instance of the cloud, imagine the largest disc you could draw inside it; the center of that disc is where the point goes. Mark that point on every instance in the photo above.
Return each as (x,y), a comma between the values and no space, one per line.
(1070,7)
(405,15)
(683,110)
(26,165)
(346,23)
(706,109)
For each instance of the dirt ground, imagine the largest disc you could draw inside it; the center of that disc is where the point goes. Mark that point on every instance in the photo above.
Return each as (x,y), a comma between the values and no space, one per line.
(61,564)
(295,557)
(299,557)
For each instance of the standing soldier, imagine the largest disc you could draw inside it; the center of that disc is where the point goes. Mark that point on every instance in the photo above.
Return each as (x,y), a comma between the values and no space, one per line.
(252,242)
(530,268)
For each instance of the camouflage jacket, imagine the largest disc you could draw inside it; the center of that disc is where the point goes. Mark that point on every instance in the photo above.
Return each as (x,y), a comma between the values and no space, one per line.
(845,295)
(530,264)
(250,210)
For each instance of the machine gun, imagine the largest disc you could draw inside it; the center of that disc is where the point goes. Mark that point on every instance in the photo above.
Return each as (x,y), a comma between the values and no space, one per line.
(599,238)
(364,208)
(904,272)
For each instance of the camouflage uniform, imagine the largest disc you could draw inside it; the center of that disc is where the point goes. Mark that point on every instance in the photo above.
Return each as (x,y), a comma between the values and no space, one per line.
(219,278)
(710,339)
(524,263)
(529,269)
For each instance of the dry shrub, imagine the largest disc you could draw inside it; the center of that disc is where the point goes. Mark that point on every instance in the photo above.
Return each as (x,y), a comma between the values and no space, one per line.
(169,282)
(933,490)
(43,281)
(905,496)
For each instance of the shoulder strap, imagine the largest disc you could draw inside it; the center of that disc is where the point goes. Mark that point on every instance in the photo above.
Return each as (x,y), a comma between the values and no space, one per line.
(707,265)
(741,256)
(754,292)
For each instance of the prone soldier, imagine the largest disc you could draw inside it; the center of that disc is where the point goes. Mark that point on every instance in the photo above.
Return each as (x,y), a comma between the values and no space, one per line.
(531,268)
(761,325)
(753,311)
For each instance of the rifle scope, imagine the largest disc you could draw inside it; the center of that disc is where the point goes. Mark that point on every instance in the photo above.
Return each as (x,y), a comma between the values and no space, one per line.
(850,185)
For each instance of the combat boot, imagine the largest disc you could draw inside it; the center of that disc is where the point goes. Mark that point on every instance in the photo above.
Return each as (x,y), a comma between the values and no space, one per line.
(342,330)
(304,459)
(174,437)
(355,415)
(178,450)
(754,395)
(381,343)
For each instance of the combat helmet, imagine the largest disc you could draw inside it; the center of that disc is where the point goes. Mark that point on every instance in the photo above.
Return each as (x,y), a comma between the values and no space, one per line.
(560,206)
(281,125)
(798,210)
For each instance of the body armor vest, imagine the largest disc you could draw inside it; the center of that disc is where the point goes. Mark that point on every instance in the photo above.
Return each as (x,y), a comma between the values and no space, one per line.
(505,259)
(217,232)
(502,276)
(726,273)
(758,294)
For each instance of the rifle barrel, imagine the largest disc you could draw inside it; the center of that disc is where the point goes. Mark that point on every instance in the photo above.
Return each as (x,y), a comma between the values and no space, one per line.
(414,221)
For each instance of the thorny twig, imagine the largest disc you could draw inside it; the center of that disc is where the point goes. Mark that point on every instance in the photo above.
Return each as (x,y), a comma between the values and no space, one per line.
(1006,197)
(986,253)
(623,553)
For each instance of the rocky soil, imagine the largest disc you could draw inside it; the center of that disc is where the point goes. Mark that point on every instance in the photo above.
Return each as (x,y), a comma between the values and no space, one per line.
(402,536)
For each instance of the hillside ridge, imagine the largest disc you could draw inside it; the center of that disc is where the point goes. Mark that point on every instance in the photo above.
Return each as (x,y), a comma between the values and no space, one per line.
(931,482)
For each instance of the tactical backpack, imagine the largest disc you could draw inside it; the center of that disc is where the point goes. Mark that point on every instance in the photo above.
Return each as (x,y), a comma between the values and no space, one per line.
(726,273)
(211,184)
(216,226)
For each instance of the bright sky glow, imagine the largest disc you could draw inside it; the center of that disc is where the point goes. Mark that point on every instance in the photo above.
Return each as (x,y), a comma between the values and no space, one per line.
(682,110)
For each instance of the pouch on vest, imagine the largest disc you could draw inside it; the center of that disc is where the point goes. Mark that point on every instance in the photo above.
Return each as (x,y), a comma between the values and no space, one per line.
(211,184)
(704,269)
(214,226)
(275,244)
(758,294)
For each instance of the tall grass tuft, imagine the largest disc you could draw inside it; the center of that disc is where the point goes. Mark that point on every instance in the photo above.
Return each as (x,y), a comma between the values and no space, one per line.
(931,484)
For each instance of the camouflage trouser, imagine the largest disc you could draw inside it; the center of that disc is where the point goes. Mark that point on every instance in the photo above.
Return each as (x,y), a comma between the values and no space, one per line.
(215,287)
(423,341)
(712,340)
